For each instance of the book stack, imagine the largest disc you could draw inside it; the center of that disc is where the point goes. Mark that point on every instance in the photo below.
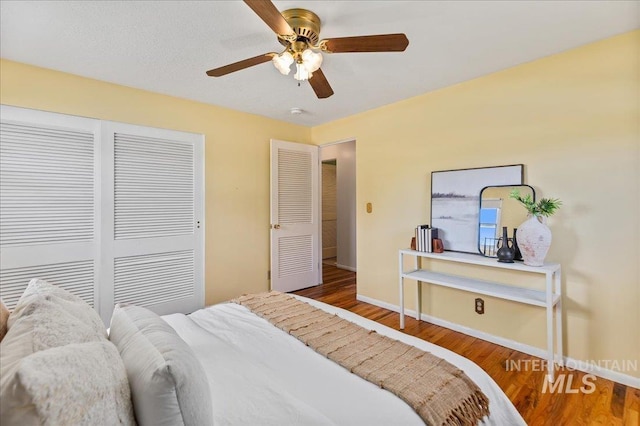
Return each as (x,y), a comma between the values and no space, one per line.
(425,235)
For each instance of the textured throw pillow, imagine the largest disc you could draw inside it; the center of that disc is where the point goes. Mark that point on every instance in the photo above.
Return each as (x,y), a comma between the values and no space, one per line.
(4,316)
(76,384)
(168,384)
(42,324)
(45,317)
(38,289)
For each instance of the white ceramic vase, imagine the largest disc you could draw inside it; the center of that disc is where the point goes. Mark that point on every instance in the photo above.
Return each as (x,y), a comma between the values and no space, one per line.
(534,240)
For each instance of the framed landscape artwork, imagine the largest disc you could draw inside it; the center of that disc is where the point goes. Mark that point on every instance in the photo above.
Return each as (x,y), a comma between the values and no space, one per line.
(455,202)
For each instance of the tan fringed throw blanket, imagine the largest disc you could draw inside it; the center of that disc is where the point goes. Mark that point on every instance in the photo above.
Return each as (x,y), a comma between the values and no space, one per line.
(439,392)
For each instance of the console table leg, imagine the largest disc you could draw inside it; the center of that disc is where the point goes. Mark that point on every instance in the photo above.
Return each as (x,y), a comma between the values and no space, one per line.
(558,310)
(550,354)
(418,299)
(418,290)
(550,339)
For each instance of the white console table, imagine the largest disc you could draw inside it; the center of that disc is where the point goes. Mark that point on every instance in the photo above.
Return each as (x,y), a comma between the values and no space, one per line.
(550,298)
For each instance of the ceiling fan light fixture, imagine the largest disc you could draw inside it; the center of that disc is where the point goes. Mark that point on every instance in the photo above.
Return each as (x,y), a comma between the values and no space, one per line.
(298,30)
(283,62)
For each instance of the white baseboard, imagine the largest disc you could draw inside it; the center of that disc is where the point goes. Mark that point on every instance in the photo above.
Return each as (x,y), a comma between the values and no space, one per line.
(348,268)
(612,375)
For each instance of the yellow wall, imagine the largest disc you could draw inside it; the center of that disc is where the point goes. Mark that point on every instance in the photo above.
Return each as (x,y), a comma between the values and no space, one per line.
(236,161)
(573,119)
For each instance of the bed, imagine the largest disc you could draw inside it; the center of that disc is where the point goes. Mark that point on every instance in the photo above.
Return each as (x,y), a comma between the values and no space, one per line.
(248,371)
(284,382)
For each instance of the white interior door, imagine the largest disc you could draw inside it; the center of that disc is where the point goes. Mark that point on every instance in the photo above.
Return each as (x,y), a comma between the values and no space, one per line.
(295,224)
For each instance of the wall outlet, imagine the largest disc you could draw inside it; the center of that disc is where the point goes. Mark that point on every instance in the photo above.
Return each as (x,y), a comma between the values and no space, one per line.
(479,306)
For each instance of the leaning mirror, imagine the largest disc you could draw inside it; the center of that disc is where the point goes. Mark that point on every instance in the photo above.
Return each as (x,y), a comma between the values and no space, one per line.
(497,209)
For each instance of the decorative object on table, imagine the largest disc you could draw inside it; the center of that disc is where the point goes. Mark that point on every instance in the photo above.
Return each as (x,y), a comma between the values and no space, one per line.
(432,233)
(489,246)
(424,238)
(505,252)
(518,253)
(421,237)
(534,236)
(497,209)
(454,202)
(437,246)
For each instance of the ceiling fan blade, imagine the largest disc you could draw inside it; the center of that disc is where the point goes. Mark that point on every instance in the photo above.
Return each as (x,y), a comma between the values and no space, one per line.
(371,43)
(271,16)
(240,65)
(320,84)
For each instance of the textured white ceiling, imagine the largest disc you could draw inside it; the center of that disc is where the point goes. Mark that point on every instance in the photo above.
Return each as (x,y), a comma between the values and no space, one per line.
(166,46)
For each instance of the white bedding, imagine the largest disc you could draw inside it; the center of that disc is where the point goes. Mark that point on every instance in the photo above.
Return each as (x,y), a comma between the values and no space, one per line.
(260,375)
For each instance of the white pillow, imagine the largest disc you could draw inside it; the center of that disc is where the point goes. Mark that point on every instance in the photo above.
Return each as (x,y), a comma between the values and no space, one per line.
(168,384)
(37,325)
(70,303)
(76,384)
(44,324)
(44,321)
(48,317)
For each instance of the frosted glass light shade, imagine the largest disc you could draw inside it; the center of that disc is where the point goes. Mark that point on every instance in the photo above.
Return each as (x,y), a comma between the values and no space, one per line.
(302,73)
(283,62)
(312,60)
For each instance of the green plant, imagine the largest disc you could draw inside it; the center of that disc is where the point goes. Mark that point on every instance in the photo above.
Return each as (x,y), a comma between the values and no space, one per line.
(544,207)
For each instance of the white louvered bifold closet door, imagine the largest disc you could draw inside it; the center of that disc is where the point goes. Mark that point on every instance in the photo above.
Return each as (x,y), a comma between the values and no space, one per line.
(153,228)
(112,212)
(295,260)
(48,202)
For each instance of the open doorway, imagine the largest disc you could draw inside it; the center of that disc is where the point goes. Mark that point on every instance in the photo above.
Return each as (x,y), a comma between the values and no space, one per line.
(338,208)
(329,212)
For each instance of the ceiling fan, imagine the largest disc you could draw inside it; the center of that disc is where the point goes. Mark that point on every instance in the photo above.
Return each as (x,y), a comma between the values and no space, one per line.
(298,30)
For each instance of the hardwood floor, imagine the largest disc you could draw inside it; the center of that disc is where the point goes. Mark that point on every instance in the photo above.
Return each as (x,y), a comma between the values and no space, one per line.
(609,404)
